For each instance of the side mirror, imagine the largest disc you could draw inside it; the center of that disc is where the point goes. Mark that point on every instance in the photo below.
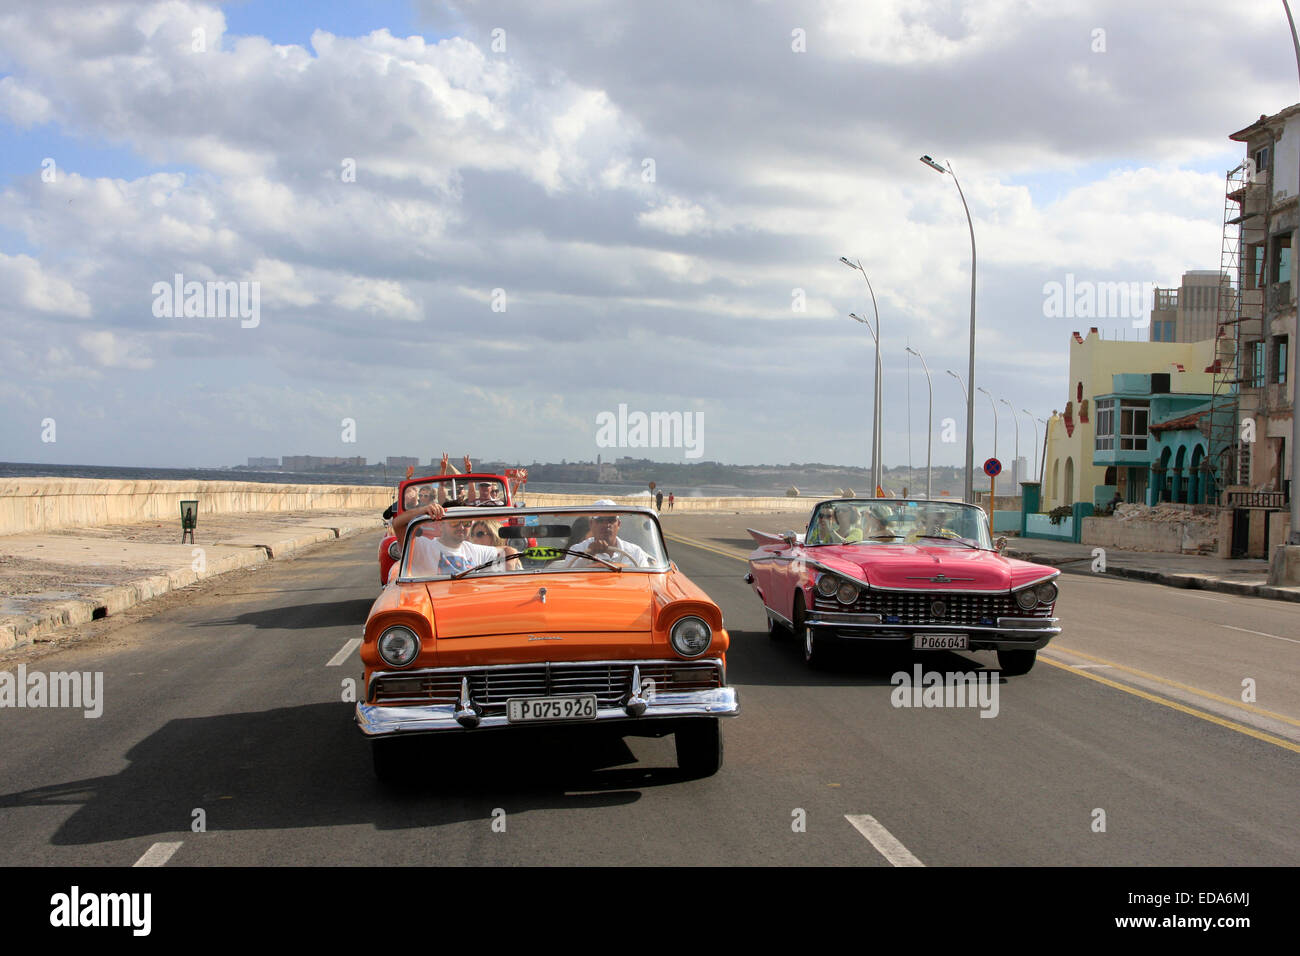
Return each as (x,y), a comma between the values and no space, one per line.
(789,538)
(1001,544)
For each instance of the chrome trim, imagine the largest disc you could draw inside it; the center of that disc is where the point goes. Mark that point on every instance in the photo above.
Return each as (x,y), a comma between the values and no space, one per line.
(847,617)
(634,704)
(381,721)
(419,645)
(780,617)
(468,714)
(1049,627)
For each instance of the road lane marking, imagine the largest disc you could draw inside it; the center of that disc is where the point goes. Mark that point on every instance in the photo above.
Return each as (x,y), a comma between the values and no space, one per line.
(1204,598)
(1182,708)
(158,854)
(1097,666)
(1183,687)
(708,547)
(1246,630)
(885,842)
(342,655)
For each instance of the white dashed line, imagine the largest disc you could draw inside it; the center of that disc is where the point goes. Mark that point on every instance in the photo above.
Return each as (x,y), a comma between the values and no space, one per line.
(342,655)
(1245,630)
(1084,667)
(158,854)
(882,840)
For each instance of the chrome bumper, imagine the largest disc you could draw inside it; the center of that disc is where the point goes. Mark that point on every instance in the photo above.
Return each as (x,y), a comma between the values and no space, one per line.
(379,720)
(1010,633)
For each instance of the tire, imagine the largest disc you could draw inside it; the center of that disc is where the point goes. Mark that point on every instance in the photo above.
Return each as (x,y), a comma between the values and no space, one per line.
(816,646)
(388,758)
(1015,663)
(699,746)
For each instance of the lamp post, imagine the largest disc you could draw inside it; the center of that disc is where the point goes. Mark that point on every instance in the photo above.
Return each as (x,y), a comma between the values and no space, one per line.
(1043,462)
(929,429)
(1034,422)
(970,373)
(961,383)
(1015,461)
(993,406)
(877,425)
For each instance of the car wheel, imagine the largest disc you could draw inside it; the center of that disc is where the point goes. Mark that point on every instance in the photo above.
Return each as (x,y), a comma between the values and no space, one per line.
(699,746)
(387,757)
(816,646)
(1015,663)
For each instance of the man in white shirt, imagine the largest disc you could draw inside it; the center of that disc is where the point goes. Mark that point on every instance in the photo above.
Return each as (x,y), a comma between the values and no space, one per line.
(451,552)
(604,539)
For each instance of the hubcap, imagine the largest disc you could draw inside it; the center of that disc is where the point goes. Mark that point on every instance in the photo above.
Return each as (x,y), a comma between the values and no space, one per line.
(807,642)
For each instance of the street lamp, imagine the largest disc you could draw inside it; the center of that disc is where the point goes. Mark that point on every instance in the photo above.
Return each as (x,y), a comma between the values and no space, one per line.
(1015,462)
(876,421)
(929,430)
(995,419)
(963,387)
(1042,464)
(1034,423)
(970,374)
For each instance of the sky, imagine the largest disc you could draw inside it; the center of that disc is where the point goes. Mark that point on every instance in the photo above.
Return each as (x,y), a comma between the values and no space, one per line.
(484,228)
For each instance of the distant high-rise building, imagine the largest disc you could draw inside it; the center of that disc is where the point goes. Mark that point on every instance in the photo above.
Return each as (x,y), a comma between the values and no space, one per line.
(263,462)
(1190,312)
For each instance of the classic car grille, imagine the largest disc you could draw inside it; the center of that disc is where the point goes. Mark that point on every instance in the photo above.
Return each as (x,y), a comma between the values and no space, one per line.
(917,607)
(490,688)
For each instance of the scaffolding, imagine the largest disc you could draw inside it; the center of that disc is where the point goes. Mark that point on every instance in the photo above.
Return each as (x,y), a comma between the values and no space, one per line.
(1239,321)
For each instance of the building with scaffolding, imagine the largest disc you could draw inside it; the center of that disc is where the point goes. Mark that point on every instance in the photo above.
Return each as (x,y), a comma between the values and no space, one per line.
(1253,400)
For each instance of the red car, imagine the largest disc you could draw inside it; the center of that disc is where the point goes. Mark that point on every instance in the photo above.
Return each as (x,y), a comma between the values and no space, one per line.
(472,490)
(913,574)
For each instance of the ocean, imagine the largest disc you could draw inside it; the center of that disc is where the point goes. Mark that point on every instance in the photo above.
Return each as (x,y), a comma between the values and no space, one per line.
(30,470)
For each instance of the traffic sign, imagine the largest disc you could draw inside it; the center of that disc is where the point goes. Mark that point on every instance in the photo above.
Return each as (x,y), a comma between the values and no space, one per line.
(992,467)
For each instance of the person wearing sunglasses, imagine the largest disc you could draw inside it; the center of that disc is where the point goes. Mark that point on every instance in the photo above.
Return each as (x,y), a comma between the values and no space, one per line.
(605,542)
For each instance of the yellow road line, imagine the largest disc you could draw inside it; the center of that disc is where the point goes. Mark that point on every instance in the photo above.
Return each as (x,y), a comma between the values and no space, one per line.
(1173,683)
(1182,708)
(1153,698)
(708,547)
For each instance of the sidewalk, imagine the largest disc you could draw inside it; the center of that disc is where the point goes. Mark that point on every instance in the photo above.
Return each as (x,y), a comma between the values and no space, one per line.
(57,578)
(1247,577)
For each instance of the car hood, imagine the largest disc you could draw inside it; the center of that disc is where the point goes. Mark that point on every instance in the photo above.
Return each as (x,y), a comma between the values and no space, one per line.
(604,602)
(918,566)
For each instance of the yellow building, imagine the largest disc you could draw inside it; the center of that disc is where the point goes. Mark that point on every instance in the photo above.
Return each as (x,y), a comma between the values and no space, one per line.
(1068,473)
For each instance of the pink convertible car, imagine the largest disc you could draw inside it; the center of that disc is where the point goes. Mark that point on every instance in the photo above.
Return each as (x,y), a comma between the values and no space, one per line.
(914,574)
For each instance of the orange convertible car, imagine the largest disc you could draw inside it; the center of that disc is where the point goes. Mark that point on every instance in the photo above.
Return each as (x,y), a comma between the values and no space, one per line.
(560,615)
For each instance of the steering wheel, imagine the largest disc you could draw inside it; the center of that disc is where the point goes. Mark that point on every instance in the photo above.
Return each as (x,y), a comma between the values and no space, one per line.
(613,551)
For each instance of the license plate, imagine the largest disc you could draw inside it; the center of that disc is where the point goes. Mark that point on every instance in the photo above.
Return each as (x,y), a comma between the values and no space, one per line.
(520,710)
(939,642)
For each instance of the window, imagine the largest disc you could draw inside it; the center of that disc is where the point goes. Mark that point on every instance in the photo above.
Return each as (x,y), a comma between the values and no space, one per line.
(1133,425)
(1262,158)
(1282,257)
(1256,255)
(1105,437)
(1253,367)
(1280,363)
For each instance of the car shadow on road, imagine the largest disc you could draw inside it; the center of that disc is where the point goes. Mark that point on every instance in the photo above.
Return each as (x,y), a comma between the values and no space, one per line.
(756,659)
(299,616)
(308,766)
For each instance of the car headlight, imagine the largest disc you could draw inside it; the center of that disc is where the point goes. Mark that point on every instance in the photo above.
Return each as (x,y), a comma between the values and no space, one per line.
(827,585)
(395,550)
(1047,592)
(691,636)
(398,646)
(847,593)
(1027,598)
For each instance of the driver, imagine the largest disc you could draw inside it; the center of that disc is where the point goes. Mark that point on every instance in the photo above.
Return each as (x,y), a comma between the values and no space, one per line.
(451,552)
(604,540)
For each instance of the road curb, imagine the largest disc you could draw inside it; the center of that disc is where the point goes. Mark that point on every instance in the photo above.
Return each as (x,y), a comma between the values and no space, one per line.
(1186,580)
(18,630)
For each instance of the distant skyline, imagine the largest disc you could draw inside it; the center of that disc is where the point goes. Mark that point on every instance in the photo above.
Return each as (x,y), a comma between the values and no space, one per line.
(468,227)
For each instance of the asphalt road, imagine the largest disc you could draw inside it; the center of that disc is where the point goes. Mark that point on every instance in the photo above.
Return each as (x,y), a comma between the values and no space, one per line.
(225,710)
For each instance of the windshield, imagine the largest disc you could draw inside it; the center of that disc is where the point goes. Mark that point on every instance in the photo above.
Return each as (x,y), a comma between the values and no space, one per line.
(534,541)
(453,491)
(878,521)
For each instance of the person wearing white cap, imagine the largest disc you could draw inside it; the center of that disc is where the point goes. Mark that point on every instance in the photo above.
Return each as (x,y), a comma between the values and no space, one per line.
(604,540)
